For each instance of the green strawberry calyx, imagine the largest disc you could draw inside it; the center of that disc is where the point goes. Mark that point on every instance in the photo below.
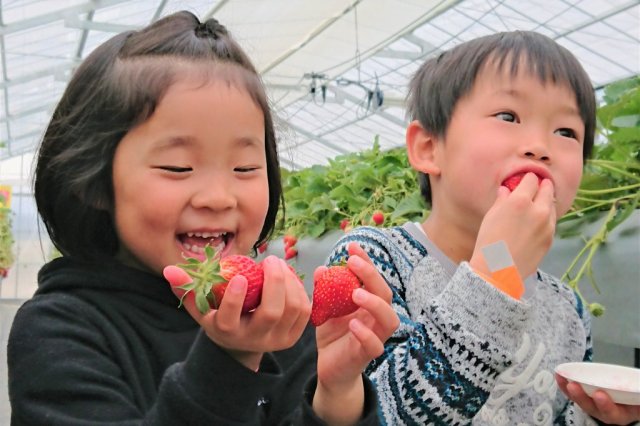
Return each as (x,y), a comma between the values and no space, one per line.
(205,275)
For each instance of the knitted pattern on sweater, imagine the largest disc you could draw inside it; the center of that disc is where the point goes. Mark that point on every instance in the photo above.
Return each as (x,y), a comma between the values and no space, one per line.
(465,352)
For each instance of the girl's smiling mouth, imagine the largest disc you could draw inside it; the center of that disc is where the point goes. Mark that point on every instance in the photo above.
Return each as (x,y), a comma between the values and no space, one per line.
(193,243)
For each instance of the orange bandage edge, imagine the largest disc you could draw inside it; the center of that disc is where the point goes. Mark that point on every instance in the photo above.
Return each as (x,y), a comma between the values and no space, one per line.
(507,280)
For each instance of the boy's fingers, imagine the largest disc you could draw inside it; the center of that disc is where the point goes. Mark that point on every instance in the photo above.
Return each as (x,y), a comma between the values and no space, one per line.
(528,185)
(369,275)
(545,192)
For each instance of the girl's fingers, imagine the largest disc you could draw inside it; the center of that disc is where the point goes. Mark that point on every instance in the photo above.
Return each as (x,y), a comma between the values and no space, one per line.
(318,272)
(176,277)
(354,249)
(369,342)
(297,306)
(274,292)
(386,320)
(369,275)
(227,318)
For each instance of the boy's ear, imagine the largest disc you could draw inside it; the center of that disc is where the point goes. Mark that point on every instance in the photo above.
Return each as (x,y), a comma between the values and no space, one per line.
(422,149)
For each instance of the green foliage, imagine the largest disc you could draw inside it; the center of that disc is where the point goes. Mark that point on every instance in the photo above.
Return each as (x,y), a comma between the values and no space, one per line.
(6,240)
(611,180)
(353,186)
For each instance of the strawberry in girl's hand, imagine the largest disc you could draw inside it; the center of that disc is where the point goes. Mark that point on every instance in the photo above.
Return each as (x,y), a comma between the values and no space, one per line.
(513,181)
(211,276)
(332,294)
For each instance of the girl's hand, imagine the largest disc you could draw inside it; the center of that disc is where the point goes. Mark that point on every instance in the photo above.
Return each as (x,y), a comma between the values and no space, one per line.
(600,405)
(347,344)
(276,324)
(524,219)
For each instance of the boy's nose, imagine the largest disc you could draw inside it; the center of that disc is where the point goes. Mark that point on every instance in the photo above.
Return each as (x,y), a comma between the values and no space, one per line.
(536,156)
(536,148)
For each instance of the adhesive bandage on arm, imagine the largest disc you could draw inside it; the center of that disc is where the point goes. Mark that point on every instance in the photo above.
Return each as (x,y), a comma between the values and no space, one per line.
(504,273)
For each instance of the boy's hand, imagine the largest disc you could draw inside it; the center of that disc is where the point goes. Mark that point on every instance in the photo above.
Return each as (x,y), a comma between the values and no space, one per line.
(276,324)
(600,406)
(525,219)
(347,344)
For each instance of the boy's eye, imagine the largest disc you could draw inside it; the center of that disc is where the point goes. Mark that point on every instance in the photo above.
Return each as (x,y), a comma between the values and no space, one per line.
(175,169)
(506,116)
(567,133)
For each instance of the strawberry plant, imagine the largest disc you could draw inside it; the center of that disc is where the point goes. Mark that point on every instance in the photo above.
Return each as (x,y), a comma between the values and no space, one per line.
(332,294)
(211,276)
(6,242)
(348,191)
(611,180)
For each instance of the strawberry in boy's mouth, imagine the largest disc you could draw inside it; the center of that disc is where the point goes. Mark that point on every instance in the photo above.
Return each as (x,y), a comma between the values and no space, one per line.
(514,180)
(193,243)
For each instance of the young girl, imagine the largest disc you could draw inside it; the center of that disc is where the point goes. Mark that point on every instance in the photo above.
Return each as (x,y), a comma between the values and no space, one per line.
(163,143)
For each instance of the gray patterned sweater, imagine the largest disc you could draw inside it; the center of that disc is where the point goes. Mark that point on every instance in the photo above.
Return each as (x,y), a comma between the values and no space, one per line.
(466,353)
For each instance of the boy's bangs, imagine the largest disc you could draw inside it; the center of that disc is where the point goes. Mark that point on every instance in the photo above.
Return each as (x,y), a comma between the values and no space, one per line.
(547,66)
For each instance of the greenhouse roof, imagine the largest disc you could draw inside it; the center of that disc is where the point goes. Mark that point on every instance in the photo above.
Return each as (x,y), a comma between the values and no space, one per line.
(336,70)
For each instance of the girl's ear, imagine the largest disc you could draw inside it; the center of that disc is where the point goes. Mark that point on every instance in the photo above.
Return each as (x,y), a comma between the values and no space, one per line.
(422,148)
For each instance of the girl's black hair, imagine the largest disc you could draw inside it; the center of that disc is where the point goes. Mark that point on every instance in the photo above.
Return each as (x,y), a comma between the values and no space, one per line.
(442,81)
(115,88)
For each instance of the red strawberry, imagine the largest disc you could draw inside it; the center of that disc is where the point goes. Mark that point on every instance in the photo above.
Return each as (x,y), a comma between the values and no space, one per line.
(290,253)
(262,247)
(332,294)
(513,181)
(378,217)
(344,223)
(211,276)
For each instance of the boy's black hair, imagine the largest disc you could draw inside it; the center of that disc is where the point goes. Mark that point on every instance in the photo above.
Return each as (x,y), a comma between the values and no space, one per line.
(442,81)
(118,86)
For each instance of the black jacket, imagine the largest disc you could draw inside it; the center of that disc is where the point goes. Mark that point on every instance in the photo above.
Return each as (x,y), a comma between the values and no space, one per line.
(103,344)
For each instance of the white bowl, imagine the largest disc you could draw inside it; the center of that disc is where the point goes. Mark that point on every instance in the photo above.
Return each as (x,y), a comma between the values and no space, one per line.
(621,383)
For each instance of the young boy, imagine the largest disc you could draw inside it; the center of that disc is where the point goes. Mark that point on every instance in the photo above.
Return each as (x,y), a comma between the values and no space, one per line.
(469,349)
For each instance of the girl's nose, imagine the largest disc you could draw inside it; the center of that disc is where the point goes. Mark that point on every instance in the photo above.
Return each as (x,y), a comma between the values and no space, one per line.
(214,195)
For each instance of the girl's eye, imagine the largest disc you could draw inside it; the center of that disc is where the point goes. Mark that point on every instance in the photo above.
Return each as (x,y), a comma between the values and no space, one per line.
(175,169)
(245,169)
(507,116)
(567,133)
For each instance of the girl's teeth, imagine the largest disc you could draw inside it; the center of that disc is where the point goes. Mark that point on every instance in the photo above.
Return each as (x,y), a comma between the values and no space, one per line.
(205,234)
(198,249)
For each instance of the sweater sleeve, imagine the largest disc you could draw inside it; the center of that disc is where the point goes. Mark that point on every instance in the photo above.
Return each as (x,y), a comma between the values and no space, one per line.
(63,371)
(440,365)
(572,414)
